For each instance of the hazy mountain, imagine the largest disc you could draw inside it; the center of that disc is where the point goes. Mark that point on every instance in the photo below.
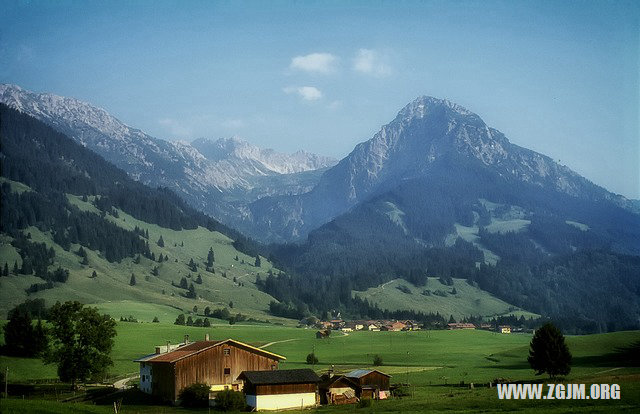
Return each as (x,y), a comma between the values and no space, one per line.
(219,180)
(428,137)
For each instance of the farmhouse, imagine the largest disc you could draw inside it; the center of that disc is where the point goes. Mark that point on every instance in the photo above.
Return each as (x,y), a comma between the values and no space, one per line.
(216,363)
(373,327)
(394,326)
(277,390)
(505,329)
(337,389)
(371,383)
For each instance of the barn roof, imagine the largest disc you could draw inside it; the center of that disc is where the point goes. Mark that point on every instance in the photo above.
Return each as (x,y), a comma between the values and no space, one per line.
(288,376)
(359,373)
(197,347)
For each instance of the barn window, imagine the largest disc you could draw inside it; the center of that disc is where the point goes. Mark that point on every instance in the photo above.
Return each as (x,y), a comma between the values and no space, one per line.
(227,371)
(227,351)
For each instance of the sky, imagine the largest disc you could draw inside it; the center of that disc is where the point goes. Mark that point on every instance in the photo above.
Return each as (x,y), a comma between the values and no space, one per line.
(558,77)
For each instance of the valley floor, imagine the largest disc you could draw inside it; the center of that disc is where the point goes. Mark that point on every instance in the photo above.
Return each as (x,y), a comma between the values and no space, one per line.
(438,365)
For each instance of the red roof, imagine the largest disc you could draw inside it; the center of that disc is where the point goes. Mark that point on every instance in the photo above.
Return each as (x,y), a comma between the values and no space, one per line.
(196,347)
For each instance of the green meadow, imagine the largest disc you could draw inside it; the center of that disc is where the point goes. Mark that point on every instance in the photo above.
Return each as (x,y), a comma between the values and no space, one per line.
(434,363)
(435,297)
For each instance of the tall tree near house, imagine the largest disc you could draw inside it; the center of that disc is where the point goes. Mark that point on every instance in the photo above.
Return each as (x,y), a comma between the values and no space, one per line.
(21,338)
(82,340)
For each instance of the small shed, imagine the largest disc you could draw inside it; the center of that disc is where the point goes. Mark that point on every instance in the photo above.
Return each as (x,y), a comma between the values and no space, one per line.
(323,334)
(371,383)
(278,390)
(338,389)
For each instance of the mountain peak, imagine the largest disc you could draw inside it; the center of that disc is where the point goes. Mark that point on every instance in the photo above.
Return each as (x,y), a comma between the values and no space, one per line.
(424,105)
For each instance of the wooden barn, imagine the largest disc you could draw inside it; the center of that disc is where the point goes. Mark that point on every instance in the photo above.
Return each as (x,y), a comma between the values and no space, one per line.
(216,363)
(278,390)
(337,389)
(371,383)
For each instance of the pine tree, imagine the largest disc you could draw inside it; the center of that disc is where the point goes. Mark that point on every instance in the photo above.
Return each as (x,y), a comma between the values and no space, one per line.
(210,257)
(189,321)
(94,275)
(183,283)
(236,258)
(195,309)
(199,279)
(206,323)
(179,320)
(160,242)
(155,319)
(191,294)
(192,265)
(15,267)
(231,305)
(257,263)
(132,281)
(5,271)
(549,353)
(155,271)
(207,311)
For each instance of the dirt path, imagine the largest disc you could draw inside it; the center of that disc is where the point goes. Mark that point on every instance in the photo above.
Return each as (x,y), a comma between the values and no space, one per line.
(277,342)
(121,383)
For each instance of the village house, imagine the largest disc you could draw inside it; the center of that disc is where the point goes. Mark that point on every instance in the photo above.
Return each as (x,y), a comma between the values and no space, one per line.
(505,329)
(460,325)
(373,327)
(337,389)
(215,363)
(411,326)
(371,383)
(323,334)
(278,390)
(394,326)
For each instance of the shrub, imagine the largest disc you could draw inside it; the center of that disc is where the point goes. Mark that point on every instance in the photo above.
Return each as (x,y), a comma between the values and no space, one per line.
(364,402)
(312,359)
(230,400)
(195,395)
(377,360)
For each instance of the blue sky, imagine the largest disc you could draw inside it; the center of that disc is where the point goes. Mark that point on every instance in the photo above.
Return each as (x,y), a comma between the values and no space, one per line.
(559,77)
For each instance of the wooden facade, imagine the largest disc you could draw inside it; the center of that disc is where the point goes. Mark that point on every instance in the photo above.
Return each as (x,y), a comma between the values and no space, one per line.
(369,381)
(216,363)
(277,390)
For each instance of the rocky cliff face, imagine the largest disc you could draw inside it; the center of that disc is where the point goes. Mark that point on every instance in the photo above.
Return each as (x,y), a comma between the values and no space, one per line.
(428,133)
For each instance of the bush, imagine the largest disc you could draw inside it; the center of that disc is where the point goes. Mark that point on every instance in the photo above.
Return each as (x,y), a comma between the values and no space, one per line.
(364,403)
(195,395)
(312,359)
(230,400)
(377,360)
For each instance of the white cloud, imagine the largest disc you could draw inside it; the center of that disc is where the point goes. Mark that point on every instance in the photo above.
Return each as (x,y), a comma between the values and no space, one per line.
(315,62)
(308,93)
(175,128)
(371,62)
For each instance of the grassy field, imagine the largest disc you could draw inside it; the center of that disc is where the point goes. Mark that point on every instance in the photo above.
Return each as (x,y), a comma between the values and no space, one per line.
(433,362)
(233,280)
(467,300)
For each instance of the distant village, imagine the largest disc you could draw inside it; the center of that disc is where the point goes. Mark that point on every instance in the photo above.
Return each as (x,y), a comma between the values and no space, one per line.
(325,327)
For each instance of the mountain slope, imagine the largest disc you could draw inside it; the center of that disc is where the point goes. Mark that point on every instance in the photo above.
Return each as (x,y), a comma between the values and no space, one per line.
(232,174)
(67,213)
(427,136)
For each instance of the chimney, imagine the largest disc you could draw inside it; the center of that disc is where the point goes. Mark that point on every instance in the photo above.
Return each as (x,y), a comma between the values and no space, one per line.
(158,350)
(206,337)
(186,339)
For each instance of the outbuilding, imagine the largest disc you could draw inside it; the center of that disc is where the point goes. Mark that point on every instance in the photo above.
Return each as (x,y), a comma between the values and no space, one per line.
(371,383)
(279,390)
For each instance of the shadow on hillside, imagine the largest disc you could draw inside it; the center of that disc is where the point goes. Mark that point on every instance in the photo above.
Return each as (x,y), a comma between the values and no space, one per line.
(626,356)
